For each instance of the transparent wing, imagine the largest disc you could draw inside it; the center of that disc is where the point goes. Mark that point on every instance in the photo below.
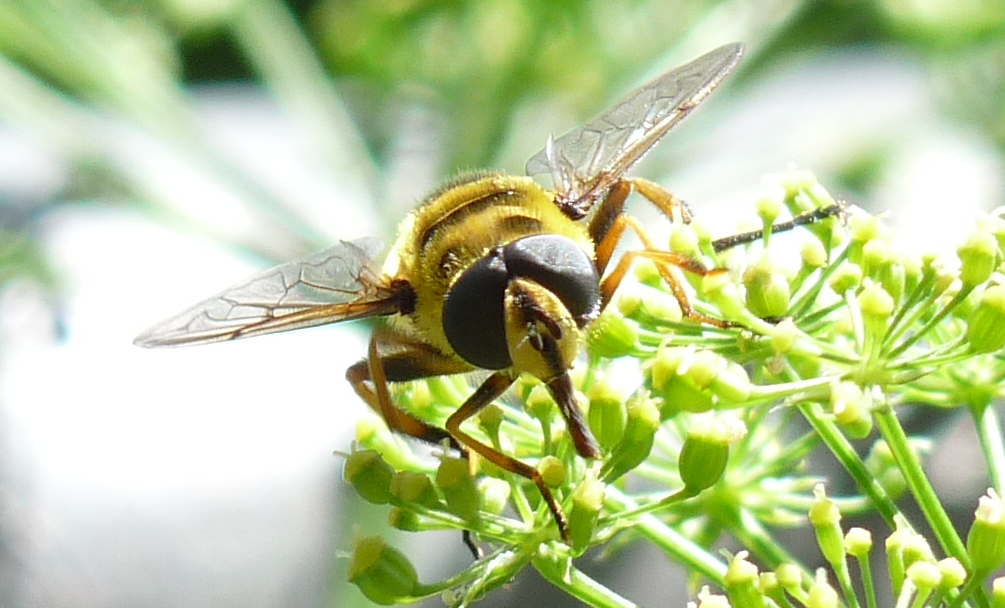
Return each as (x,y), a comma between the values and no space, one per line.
(337,284)
(586,161)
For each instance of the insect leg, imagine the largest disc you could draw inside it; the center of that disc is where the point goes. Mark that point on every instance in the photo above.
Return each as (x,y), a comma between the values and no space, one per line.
(616,222)
(407,360)
(494,386)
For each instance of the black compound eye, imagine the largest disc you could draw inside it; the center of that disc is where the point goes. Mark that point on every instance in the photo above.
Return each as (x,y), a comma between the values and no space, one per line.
(473,314)
(562,267)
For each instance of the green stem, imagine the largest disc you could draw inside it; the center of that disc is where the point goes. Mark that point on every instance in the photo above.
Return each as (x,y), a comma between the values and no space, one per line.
(868,584)
(577,584)
(849,458)
(990,435)
(920,486)
(677,546)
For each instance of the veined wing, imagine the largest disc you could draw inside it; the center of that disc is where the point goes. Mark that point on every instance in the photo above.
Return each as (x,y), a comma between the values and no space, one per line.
(586,161)
(337,284)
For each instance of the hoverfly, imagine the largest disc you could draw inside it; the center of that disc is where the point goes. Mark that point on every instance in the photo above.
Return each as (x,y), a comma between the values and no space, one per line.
(490,272)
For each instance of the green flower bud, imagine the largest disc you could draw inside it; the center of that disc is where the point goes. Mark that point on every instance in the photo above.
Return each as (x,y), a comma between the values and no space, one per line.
(784,336)
(666,379)
(850,406)
(410,488)
(986,539)
(607,415)
(998,593)
(637,440)
(789,577)
(732,384)
(915,548)
(539,403)
(768,290)
(741,581)
(684,240)
(490,419)
(813,254)
(382,573)
(952,573)
(552,471)
(826,520)
(705,452)
(822,594)
(925,575)
(846,278)
(875,301)
(864,228)
(404,520)
(646,273)
(453,478)
(768,209)
(986,325)
(494,494)
(720,290)
(884,468)
(587,500)
(370,474)
(707,599)
(858,542)
(612,335)
(977,258)
(877,306)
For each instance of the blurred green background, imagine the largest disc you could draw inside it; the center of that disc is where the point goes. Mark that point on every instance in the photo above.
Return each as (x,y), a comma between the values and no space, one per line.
(142,142)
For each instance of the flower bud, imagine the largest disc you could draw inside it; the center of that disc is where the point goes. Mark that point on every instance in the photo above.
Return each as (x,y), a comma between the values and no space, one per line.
(367,471)
(846,278)
(858,542)
(405,520)
(768,209)
(877,306)
(665,379)
(731,384)
(977,258)
(410,488)
(382,573)
(986,325)
(952,572)
(925,575)
(813,254)
(552,471)
(494,494)
(539,403)
(587,500)
(768,290)
(850,406)
(741,581)
(986,539)
(998,593)
(720,290)
(707,599)
(607,415)
(490,419)
(822,594)
(611,335)
(705,452)
(789,576)
(453,478)
(826,520)
(637,440)
(684,240)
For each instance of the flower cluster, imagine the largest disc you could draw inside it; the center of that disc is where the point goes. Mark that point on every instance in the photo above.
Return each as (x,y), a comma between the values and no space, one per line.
(828,330)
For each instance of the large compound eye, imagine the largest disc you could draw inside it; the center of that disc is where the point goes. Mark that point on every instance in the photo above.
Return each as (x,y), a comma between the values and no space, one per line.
(473,316)
(562,267)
